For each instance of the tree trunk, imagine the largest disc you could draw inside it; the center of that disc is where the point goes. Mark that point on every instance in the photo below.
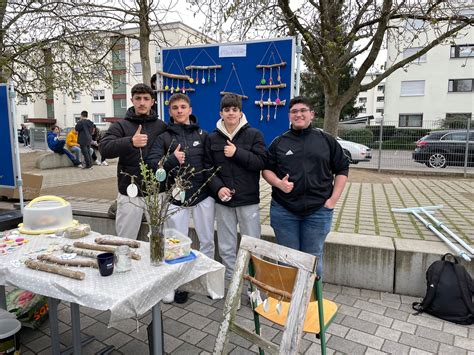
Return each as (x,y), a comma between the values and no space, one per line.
(3,76)
(145,40)
(331,115)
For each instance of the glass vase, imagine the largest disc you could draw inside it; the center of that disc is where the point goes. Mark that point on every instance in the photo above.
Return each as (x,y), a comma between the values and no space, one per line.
(157,245)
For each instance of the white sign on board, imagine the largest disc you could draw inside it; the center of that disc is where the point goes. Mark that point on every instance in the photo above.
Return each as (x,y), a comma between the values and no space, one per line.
(237,50)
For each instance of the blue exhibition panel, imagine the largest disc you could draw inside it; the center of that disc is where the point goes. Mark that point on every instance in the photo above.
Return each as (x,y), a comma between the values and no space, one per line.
(7,167)
(238,73)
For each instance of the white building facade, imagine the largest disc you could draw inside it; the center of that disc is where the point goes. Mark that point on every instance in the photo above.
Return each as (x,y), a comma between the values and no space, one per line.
(107,102)
(437,85)
(371,102)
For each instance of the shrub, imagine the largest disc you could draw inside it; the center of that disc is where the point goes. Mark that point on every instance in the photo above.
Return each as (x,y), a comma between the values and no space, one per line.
(362,136)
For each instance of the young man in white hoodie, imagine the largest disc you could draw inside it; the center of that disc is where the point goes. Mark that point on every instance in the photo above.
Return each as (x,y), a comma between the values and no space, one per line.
(239,151)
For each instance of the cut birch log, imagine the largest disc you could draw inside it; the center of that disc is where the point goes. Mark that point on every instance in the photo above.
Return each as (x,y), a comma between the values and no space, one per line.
(83,252)
(103,248)
(71,262)
(55,269)
(118,242)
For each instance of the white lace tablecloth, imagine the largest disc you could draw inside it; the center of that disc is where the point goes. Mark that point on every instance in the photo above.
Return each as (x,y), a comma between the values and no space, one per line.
(126,295)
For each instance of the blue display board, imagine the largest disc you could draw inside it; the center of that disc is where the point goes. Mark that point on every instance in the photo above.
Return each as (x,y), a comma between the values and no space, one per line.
(7,165)
(238,73)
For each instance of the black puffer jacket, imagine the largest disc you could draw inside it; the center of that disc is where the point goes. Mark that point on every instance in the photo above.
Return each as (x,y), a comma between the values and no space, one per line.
(311,158)
(241,172)
(84,131)
(117,142)
(192,139)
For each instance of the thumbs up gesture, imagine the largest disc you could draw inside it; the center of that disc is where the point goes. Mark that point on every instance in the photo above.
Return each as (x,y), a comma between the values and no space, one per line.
(179,155)
(229,149)
(139,140)
(285,185)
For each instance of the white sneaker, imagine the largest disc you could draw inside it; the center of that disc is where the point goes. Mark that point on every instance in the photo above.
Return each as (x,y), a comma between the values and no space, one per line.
(104,163)
(169,298)
(97,162)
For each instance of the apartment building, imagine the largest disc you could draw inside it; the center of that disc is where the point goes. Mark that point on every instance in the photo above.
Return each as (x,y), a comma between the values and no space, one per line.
(107,102)
(372,101)
(437,85)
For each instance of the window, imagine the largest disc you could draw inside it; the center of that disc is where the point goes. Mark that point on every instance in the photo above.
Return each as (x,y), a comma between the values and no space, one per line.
(98,95)
(98,117)
(77,117)
(380,98)
(77,96)
(414,24)
(379,110)
(462,51)
(460,85)
(413,88)
(381,88)
(134,44)
(460,116)
(363,110)
(362,100)
(22,99)
(455,136)
(137,68)
(123,103)
(410,120)
(408,52)
(24,118)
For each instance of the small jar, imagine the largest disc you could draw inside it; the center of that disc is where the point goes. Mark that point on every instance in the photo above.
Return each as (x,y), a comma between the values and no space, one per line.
(124,261)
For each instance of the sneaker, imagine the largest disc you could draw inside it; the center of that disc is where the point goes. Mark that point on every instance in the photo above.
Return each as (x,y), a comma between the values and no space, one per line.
(169,298)
(181,297)
(104,163)
(97,163)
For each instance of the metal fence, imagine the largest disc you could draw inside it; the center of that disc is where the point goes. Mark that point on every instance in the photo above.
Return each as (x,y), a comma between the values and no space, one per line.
(446,146)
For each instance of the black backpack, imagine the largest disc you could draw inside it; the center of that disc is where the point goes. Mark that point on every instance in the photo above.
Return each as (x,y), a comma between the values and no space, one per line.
(449,292)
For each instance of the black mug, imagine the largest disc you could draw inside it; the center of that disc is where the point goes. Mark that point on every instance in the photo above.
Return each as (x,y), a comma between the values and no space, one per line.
(106,263)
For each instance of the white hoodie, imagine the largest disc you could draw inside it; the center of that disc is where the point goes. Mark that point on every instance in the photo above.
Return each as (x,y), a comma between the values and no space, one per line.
(221,127)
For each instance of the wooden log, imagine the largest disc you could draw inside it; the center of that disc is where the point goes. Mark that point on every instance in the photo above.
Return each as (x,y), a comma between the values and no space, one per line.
(55,269)
(267,66)
(103,248)
(272,103)
(83,252)
(70,262)
(109,241)
(272,86)
(173,76)
(243,97)
(203,67)
(186,90)
(266,287)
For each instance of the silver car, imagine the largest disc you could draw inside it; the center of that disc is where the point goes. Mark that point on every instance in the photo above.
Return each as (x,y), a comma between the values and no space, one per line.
(354,151)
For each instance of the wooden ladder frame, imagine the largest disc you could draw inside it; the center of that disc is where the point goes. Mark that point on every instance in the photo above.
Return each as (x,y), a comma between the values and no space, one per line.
(304,283)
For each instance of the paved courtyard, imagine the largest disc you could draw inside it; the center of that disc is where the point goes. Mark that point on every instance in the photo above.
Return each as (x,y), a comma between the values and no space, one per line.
(368,322)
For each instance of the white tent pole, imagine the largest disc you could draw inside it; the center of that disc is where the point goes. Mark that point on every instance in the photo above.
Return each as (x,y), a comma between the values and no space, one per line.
(19,180)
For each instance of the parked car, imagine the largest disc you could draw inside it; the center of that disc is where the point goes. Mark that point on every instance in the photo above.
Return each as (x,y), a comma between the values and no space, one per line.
(354,151)
(439,149)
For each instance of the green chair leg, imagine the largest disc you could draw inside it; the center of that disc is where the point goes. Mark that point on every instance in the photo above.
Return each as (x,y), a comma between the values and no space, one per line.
(322,329)
(256,318)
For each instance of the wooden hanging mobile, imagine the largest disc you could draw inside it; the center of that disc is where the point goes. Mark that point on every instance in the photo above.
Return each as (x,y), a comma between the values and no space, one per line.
(226,92)
(167,78)
(268,84)
(205,70)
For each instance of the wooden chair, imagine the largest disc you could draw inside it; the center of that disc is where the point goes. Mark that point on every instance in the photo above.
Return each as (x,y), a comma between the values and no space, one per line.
(296,287)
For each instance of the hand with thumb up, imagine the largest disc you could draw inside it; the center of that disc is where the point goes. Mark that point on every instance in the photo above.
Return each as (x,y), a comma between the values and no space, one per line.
(285,185)
(139,140)
(179,155)
(229,149)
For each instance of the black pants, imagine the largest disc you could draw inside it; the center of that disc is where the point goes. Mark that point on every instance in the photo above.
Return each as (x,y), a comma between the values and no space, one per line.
(85,150)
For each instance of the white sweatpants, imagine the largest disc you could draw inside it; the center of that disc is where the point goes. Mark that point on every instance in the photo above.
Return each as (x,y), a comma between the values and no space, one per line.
(227,218)
(203,218)
(129,216)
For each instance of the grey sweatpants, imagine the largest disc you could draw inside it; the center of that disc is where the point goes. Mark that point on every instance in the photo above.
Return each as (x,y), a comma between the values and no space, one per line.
(227,219)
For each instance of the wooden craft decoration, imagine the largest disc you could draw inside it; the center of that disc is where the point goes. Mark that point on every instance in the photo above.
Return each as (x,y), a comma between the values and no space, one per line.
(70,262)
(102,248)
(118,242)
(268,83)
(205,69)
(55,269)
(226,92)
(163,84)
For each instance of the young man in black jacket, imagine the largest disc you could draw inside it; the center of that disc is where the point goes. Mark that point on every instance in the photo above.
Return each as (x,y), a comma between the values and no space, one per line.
(308,171)
(239,151)
(84,137)
(129,140)
(185,140)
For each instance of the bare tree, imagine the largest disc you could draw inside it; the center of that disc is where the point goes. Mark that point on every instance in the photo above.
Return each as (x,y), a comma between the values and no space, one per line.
(335,32)
(49,45)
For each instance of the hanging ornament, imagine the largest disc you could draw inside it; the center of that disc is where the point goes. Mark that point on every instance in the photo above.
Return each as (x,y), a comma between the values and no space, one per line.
(259,298)
(277,100)
(266,305)
(263,81)
(279,76)
(270,79)
(167,102)
(167,87)
(203,80)
(197,77)
(176,193)
(278,307)
(191,80)
(182,196)
(183,90)
(209,76)
(215,75)
(160,173)
(132,190)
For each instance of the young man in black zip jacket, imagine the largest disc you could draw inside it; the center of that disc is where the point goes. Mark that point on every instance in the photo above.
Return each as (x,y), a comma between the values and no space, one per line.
(130,140)
(239,151)
(308,171)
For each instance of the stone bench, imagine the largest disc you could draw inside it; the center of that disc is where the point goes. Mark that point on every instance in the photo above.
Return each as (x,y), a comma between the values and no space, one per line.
(51,160)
